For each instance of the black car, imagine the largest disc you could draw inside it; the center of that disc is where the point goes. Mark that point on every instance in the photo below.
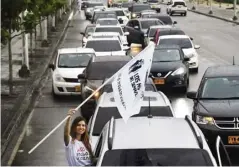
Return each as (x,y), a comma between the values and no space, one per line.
(135,36)
(95,73)
(170,68)
(136,9)
(103,14)
(166,19)
(216,104)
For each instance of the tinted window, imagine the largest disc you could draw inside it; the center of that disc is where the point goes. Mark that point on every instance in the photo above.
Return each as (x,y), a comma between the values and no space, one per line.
(146,24)
(179,3)
(105,113)
(107,22)
(161,55)
(104,45)
(152,32)
(157,157)
(139,8)
(182,42)
(74,60)
(91,5)
(125,5)
(89,29)
(109,29)
(171,32)
(102,70)
(153,1)
(224,87)
(119,13)
(166,20)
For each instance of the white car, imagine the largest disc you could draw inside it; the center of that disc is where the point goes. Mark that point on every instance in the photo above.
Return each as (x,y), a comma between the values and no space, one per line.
(70,62)
(113,28)
(185,42)
(106,46)
(177,7)
(111,35)
(155,4)
(107,21)
(106,108)
(121,15)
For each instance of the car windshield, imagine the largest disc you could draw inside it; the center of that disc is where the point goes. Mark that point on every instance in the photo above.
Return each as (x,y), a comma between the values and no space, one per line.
(89,29)
(139,8)
(74,60)
(102,70)
(153,1)
(91,5)
(104,45)
(105,113)
(104,15)
(147,23)
(169,55)
(157,157)
(221,88)
(182,42)
(166,20)
(125,5)
(109,29)
(179,3)
(107,22)
(119,13)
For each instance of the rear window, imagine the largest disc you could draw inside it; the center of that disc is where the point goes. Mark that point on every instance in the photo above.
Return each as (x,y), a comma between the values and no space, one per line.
(182,42)
(104,15)
(109,29)
(91,5)
(179,3)
(107,22)
(104,45)
(119,13)
(147,23)
(139,8)
(166,20)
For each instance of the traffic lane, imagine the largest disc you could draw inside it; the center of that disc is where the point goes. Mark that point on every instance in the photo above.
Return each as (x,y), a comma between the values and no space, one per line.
(48,113)
(217,38)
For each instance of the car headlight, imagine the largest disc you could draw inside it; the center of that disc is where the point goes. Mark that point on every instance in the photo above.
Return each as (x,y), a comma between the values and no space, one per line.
(133,15)
(179,71)
(204,120)
(59,78)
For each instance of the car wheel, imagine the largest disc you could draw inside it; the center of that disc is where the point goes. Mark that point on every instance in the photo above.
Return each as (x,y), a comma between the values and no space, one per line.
(185,14)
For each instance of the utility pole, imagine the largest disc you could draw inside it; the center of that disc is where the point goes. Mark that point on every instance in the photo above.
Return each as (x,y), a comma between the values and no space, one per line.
(235,11)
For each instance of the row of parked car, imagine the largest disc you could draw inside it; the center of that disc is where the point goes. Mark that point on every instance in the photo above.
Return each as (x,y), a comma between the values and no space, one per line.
(154,136)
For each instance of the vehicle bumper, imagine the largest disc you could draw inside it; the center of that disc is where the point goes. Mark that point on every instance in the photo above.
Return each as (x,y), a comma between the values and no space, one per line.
(193,63)
(178,11)
(171,82)
(66,88)
(211,132)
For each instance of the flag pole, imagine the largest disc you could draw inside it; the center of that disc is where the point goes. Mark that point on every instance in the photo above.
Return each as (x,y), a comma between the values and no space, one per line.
(77,108)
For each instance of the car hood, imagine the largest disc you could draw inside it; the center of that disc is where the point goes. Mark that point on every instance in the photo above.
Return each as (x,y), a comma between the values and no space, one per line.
(117,53)
(94,140)
(189,52)
(218,108)
(165,66)
(94,84)
(70,72)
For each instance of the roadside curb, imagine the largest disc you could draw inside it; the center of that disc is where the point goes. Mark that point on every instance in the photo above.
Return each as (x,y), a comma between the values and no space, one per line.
(31,93)
(213,16)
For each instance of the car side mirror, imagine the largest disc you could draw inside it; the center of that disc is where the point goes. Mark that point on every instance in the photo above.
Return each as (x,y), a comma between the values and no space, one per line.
(121,21)
(52,66)
(197,46)
(81,77)
(186,58)
(150,75)
(175,22)
(192,95)
(223,158)
(136,27)
(82,33)
(126,33)
(191,38)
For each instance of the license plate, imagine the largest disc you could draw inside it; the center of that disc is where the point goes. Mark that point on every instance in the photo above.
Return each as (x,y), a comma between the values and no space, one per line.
(77,88)
(159,81)
(233,140)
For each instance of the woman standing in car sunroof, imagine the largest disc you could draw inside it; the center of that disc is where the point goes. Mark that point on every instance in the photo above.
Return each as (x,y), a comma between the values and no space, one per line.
(77,145)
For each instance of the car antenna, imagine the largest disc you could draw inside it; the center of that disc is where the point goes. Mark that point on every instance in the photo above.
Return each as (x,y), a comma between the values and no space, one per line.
(150,115)
(233,60)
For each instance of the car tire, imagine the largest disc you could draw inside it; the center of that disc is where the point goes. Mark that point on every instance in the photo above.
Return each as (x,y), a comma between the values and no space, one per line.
(55,96)
(185,14)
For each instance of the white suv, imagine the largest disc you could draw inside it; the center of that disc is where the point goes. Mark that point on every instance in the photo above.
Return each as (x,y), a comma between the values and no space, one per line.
(106,108)
(70,62)
(157,141)
(185,42)
(177,7)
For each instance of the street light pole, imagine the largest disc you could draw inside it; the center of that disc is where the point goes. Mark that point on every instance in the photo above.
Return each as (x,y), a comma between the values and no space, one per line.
(210,11)
(235,11)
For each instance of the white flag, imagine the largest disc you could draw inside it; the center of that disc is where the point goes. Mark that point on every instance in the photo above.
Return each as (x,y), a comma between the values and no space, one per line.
(129,84)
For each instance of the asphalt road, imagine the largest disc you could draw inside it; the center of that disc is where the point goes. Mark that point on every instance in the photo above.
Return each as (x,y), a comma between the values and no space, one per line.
(219,41)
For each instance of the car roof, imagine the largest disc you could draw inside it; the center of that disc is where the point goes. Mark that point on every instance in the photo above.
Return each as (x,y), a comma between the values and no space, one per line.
(158,132)
(111,58)
(103,39)
(108,26)
(114,9)
(107,11)
(140,4)
(91,25)
(105,34)
(173,36)
(167,47)
(156,99)
(160,26)
(107,19)
(145,19)
(179,1)
(222,71)
(75,50)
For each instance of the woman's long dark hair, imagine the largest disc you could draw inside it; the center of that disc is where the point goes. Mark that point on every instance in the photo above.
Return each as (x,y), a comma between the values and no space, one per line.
(84,136)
